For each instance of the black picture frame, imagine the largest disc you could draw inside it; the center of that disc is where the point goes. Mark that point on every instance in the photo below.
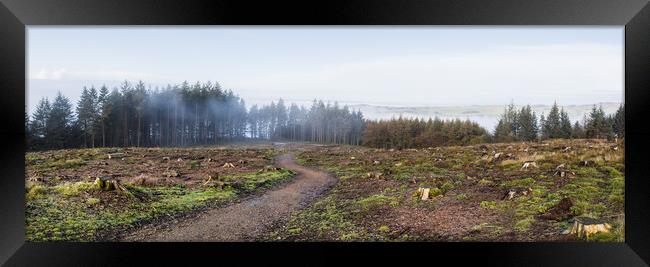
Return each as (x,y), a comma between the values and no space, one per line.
(15,15)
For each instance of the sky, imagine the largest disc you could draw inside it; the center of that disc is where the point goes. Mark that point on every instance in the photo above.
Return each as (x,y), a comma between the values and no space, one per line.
(394,66)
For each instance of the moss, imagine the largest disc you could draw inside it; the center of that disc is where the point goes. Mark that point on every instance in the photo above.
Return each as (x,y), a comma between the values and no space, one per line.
(447,186)
(294,231)
(525,224)
(93,201)
(434,192)
(526,182)
(36,191)
(488,204)
(485,182)
(73,189)
(374,201)
(384,228)
(53,218)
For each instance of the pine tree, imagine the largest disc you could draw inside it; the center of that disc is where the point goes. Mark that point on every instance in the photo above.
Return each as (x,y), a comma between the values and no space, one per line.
(38,124)
(618,122)
(577,131)
(598,126)
(103,111)
(60,123)
(527,121)
(552,125)
(565,125)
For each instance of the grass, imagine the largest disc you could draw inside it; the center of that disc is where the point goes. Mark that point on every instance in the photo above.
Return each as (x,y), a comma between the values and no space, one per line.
(596,190)
(79,211)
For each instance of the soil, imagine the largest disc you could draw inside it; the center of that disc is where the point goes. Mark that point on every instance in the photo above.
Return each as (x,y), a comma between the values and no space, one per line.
(248,219)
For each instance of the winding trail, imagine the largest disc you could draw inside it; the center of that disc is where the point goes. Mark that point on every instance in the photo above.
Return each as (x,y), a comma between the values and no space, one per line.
(251,217)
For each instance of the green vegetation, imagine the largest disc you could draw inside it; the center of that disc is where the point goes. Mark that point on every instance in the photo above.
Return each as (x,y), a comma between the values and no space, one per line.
(360,205)
(73,208)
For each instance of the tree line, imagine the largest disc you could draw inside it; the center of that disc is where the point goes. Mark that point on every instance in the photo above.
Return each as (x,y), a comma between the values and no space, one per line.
(410,133)
(323,123)
(204,113)
(523,125)
(180,115)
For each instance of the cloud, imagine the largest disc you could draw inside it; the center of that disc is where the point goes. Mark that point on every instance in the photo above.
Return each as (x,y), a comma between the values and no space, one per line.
(534,74)
(67,74)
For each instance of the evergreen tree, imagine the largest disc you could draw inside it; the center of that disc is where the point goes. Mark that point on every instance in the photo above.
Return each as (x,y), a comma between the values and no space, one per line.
(577,131)
(527,121)
(565,125)
(618,122)
(598,126)
(60,124)
(552,125)
(38,124)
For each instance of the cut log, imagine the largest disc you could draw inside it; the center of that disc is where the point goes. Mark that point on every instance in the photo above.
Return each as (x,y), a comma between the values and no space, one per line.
(115,155)
(584,226)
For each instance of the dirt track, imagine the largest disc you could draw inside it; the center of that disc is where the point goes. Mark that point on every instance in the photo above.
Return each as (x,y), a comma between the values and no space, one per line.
(249,218)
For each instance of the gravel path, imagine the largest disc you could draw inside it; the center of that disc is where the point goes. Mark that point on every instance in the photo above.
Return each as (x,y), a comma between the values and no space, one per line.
(249,218)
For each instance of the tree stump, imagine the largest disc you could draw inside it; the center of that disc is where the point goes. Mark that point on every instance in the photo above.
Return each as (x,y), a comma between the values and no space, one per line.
(528,164)
(228,165)
(584,226)
(106,184)
(424,192)
(115,155)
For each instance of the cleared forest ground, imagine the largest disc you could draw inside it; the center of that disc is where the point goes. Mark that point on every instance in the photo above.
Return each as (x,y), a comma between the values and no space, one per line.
(63,202)
(376,199)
